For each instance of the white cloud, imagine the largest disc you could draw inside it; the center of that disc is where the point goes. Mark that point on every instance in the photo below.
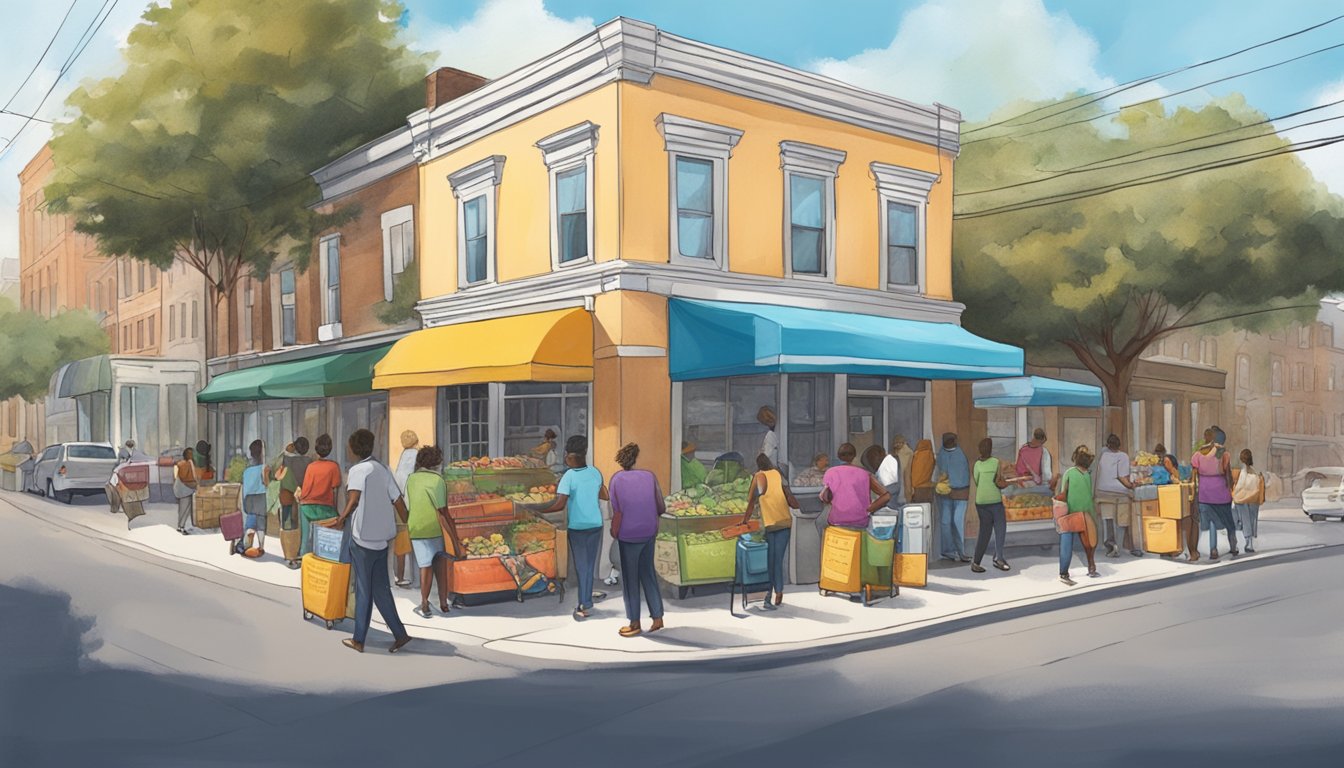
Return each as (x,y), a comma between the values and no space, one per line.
(502,36)
(1326,163)
(975,56)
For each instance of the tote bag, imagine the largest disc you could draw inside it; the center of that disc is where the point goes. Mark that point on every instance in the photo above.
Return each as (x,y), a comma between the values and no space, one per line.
(1066,521)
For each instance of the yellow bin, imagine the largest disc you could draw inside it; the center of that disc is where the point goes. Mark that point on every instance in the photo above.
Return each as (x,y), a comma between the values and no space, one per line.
(326,588)
(1171,501)
(840,561)
(1161,535)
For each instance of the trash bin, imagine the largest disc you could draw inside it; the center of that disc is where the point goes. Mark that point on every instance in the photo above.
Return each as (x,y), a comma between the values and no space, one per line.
(916,522)
(805,542)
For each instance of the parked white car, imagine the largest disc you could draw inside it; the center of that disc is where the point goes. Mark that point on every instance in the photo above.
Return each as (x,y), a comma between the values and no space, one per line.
(1323,498)
(61,471)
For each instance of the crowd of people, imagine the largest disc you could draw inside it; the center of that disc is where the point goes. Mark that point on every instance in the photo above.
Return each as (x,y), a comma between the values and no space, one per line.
(383,505)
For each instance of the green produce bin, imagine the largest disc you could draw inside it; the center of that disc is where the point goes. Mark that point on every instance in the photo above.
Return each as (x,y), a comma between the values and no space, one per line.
(714,561)
(878,553)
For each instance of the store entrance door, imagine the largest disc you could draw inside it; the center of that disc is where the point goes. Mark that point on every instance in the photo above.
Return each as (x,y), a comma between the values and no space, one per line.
(877,420)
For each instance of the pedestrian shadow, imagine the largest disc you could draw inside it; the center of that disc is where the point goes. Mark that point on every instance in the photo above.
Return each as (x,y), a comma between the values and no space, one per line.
(945,588)
(698,638)
(794,611)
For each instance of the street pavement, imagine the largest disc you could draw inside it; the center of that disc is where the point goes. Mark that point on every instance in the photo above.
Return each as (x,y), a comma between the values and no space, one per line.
(111,655)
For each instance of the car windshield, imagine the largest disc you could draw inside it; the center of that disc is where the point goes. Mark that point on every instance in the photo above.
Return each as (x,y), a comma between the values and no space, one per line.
(91,452)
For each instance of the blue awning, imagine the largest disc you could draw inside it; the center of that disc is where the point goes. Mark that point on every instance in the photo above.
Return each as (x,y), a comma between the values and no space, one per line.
(710,339)
(1036,392)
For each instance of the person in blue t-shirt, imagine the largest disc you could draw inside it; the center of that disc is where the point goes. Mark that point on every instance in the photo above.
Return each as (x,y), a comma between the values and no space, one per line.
(253,542)
(578,493)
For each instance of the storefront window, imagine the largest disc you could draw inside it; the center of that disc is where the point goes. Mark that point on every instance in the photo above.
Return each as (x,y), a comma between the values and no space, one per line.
(240,429)
(719,415)
(361,413)
(99,423)
(704,416)
(464,421)
(1001,428)
(140,417)
(275,431)
(894,407)
(310,419)
(531,408)
(810,432)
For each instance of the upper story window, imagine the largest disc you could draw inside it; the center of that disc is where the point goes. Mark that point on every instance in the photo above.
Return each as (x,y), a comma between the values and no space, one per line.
(329,251)
(569,158)
(1243,372)
(398,246)
(698,155)
(903,194)
(1276,377)
(475,187)
(809,208)
(288,316)
(246,324)
(1304,336)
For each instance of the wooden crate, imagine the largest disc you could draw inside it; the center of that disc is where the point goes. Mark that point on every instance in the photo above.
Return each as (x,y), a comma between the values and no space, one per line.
(212,501)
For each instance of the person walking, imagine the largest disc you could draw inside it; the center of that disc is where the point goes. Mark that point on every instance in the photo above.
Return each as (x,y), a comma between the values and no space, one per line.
(1075,490)
(989,484)
(578,493)
(254,505)
(775,499)
(1248,493)
(922,464)
(184,489)
(373,502)
(1213,478)
(636,504)
(427,521)
(1033,460)
(853,494)
(317,495)
(127,450)
(953,470)
(1114,489)
(410,446)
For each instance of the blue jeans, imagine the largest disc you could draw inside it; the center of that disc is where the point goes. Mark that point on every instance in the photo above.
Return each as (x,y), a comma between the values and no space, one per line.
(776,549)
(952,523)
(1067,541)
(637,567)
(583,547)
(372,588)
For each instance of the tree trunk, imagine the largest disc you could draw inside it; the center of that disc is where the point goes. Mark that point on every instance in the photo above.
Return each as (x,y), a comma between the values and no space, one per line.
(1115,374)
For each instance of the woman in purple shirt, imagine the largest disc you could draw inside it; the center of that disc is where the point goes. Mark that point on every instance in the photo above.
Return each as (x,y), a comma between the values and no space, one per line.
(1214,477)
(852,493)
(636,504)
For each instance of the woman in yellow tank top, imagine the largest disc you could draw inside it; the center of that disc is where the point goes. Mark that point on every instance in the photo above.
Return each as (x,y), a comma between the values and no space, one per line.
(772,494)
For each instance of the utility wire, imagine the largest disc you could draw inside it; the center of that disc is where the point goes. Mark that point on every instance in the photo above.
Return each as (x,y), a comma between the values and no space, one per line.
(1262,135)
(1065,197)
(41,58)
(1106,93)
(1159,98)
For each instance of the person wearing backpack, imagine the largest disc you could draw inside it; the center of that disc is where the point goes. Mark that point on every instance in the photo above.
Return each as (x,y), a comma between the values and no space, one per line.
(989,485)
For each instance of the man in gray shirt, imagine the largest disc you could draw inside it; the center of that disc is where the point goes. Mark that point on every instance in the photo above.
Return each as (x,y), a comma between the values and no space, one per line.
(373,504)
(1114,501)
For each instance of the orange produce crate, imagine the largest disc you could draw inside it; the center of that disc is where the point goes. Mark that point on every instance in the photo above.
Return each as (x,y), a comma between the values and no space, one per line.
(488,574)
(733,531)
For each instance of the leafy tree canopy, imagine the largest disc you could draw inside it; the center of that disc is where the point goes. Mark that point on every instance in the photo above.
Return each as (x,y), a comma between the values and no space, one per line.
(32,347)
(201,149)
(1042,260)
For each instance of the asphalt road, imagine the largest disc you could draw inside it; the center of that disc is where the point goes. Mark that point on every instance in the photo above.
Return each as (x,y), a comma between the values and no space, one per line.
(110,657)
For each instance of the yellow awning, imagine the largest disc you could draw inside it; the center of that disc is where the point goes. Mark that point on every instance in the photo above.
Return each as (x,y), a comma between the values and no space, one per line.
(546,346)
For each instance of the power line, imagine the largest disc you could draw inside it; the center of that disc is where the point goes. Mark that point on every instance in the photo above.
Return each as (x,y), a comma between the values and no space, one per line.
(1065,197)
(1264,135)
(41,58)
(1106,93)
(84,39)
(1159,98)
(20,114)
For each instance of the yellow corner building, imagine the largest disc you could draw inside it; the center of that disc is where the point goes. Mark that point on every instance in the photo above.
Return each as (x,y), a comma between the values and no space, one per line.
(643,238)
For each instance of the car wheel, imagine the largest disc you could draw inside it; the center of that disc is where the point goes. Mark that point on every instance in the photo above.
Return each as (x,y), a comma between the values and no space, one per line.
(1318,518)
(49,492)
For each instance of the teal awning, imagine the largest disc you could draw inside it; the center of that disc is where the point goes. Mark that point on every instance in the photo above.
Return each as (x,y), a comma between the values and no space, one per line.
(709,339)
(1035,392)
(83,377)
(334,375)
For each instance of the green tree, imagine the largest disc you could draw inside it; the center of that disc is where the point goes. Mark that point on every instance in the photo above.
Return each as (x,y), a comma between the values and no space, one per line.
(32,347)
(1087,243)
(200,151)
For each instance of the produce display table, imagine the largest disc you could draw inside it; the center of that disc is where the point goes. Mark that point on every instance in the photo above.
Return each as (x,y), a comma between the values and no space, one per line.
(502,546)
(692,549)
(1032,502)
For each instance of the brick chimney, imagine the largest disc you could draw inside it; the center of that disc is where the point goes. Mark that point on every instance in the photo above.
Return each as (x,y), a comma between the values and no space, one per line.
(445,84)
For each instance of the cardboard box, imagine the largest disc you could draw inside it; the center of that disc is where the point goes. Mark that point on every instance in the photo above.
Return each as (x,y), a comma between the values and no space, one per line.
(1150,508)
(1161,535)
(1173,501)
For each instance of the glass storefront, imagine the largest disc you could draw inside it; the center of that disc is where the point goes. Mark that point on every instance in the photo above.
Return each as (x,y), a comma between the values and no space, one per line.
(139,405)
(476,420)
(719,415)
(880,408)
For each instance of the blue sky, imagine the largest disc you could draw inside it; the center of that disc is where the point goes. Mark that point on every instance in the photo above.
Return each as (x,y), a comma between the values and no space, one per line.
(971,54)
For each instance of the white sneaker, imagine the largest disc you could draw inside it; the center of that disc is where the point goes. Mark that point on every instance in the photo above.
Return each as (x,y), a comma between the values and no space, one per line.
(613,578)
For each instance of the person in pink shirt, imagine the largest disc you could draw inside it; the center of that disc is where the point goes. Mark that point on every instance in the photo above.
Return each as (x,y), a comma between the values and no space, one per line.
(852,493)
(1213,470)
(1033,461)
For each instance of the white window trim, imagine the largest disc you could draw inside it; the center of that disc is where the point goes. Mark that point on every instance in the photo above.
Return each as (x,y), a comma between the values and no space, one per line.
(905,186)
(278,316)
(393,218)
(330,329)
(478,179)
(797,158)
(574,147)
(697,140)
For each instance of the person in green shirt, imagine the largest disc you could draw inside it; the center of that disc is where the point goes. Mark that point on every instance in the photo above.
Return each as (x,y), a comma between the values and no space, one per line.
(987,474)
(426,521)
(692,471)
(1075,488)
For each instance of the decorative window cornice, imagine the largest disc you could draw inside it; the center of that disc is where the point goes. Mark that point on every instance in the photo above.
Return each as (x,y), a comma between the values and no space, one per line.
(896,180)
(682,134)
(488,171)
(563,147)
(810,158)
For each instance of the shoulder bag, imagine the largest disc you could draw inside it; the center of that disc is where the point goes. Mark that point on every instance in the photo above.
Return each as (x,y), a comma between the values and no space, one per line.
(1066,521)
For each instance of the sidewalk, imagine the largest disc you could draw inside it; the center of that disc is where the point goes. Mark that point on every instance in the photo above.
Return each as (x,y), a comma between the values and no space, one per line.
(701,628)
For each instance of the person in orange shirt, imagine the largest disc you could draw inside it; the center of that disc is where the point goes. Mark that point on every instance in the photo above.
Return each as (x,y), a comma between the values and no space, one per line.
(184,488)
(317,495)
